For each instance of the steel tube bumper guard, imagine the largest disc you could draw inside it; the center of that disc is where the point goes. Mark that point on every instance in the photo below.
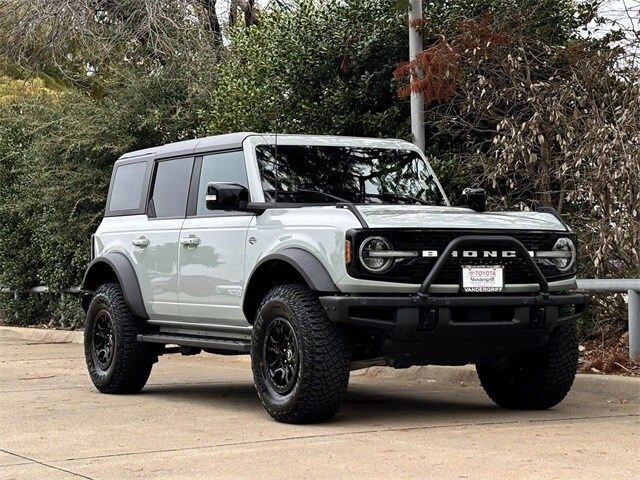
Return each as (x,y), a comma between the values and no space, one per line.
(480,239)
(463,316)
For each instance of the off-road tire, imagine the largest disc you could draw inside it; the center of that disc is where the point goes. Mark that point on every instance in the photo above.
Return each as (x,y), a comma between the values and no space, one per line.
(131,361)
(536,380)
(324,355)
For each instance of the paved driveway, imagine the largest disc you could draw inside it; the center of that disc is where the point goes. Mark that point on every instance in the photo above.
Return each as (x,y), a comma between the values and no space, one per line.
(200,418)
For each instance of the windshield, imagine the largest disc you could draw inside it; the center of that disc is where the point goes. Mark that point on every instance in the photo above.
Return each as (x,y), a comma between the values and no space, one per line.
(328,174)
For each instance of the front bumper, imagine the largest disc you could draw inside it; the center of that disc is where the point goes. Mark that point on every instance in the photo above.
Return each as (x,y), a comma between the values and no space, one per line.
(454,330)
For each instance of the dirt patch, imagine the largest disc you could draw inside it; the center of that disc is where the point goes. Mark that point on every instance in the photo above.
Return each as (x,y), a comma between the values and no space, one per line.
(608,356)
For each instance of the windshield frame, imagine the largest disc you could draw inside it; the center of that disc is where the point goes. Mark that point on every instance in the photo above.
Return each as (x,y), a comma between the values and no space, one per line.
(256,185)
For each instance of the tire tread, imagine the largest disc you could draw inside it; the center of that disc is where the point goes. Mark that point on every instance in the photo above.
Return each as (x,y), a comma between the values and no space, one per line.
(133,360)
(548,378)
(327,361)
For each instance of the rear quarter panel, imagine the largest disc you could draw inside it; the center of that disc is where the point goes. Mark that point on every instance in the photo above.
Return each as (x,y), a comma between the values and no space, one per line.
(115,234)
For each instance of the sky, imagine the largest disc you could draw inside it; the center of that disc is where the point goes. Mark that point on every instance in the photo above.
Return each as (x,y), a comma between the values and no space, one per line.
(626,12)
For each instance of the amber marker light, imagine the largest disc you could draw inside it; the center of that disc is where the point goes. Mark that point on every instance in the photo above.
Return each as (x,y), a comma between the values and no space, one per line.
(347,252)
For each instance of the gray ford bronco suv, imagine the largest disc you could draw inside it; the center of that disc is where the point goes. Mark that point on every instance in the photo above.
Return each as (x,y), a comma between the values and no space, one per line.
(318,255)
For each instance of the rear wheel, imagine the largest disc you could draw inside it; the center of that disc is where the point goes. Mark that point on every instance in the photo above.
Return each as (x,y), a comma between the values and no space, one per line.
(536,380)
(300,359)
(116,361)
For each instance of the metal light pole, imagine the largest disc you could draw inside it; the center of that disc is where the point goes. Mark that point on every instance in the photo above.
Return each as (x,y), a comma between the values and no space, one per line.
(634,325)
(417,99)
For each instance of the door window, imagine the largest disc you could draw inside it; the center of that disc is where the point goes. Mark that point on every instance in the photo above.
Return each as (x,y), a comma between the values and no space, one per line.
(226,167)
(171,187)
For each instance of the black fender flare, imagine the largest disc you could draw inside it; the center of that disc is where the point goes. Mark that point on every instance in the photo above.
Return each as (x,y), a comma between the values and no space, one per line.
(121,266)
(307,265)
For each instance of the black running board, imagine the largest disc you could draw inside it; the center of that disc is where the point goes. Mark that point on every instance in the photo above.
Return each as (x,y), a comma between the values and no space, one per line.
(221,345)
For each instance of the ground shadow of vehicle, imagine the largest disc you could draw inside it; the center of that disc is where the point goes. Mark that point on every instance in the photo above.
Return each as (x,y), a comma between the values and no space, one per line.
(429,399)
(363,403)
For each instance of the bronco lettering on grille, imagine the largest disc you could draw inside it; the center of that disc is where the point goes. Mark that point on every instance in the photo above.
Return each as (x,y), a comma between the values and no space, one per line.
(476,254)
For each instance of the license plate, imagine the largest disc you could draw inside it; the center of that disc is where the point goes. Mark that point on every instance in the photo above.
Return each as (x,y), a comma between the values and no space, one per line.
(483,279)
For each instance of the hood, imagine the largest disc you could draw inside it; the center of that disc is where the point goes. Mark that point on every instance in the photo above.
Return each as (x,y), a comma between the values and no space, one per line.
(418,216)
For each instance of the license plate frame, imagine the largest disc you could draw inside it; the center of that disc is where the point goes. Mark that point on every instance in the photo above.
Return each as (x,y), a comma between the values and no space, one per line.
(482,278)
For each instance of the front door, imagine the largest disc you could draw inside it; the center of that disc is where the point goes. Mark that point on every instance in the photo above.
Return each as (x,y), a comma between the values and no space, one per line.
(213,245)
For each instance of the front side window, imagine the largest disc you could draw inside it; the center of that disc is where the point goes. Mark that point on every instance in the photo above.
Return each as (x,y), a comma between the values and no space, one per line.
(171,187)
(227,167)
(126,192)
(329,174)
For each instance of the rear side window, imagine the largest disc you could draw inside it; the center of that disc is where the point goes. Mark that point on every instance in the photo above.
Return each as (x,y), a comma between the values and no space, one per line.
(128,182)
(171,187)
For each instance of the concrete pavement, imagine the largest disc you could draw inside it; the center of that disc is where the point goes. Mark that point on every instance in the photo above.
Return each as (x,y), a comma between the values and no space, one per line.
(199,417)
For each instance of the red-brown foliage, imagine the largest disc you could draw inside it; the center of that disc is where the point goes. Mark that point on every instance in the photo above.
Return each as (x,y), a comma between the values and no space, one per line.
(479,36)
(435,72)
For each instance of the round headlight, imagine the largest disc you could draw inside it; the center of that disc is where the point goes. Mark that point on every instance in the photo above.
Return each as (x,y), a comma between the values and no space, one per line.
(567,261)
(368,254)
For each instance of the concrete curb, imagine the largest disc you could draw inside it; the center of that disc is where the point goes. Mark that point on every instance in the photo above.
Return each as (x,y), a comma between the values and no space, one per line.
(41,335)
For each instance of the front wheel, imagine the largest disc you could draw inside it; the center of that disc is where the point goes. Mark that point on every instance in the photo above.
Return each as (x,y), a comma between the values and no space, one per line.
(536,380)
(300,359)
(116,361)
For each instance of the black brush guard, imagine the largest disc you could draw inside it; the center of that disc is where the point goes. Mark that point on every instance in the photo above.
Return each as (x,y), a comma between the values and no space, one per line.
(425,328)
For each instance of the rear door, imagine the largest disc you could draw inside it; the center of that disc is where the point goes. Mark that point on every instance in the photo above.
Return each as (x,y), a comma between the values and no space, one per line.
(156,245)
(213,247)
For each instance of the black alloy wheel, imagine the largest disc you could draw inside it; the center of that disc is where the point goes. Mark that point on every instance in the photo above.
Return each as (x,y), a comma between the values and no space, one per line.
(281,357)
(103,340)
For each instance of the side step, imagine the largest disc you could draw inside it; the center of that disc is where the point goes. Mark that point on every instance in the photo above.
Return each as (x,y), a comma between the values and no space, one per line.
(221,345)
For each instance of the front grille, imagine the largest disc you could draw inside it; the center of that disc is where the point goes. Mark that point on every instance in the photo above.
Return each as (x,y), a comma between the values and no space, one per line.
(415,270)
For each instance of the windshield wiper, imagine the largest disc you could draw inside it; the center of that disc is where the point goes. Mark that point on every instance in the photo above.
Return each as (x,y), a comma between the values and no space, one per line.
(302,193)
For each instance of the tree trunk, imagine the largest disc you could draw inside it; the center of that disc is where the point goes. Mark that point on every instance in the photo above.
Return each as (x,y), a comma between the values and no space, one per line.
(247,7)
(214,23)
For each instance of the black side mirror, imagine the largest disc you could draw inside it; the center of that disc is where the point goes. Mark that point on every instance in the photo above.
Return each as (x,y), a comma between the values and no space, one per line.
(475,199)
(226,196)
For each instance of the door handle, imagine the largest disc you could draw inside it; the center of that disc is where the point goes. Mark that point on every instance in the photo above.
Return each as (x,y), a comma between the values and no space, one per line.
(190,241)
(140,242)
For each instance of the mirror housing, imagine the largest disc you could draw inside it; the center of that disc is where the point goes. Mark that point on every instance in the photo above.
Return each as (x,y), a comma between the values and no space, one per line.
(475,199)
(226,196)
